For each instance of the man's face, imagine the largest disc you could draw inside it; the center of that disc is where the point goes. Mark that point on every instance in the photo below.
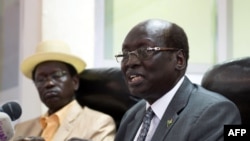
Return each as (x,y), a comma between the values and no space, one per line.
(153,77)
(55,85)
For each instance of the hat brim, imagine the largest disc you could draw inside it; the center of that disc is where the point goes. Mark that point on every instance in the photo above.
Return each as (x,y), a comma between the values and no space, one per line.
(31,62)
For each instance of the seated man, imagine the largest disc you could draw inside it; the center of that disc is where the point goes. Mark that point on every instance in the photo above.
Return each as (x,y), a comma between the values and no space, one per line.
(54,72)
(153,61)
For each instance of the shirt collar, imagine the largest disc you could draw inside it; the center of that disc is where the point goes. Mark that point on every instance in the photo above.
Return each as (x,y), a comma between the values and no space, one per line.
(61,114)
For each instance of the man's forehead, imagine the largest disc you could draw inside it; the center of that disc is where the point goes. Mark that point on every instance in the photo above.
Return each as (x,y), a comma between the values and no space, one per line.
(49,64)
(154,26)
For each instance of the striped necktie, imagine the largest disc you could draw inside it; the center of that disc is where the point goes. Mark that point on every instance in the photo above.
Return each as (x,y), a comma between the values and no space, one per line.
(145,124)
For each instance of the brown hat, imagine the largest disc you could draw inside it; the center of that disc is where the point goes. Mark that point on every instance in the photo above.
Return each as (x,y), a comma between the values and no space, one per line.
(51,50)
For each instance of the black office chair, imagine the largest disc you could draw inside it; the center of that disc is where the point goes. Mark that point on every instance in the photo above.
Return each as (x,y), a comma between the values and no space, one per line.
(232,79)
(104,89)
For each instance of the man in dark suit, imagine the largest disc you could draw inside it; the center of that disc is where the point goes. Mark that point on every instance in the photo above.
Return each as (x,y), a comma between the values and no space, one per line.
(154,61)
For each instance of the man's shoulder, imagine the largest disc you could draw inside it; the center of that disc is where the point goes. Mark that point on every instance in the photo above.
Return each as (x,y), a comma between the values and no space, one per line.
(204,97)
(28,122)
(95,119)
(92,113)
(29,127)
(202,92)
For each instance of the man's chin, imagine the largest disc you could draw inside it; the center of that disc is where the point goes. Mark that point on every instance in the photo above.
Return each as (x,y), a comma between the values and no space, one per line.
(137,93)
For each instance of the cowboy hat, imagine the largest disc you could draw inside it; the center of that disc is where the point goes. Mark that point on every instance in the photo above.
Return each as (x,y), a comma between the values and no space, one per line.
(51,50)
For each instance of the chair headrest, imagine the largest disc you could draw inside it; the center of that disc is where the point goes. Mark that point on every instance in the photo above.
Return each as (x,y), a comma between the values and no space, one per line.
(231,79)
(104,89)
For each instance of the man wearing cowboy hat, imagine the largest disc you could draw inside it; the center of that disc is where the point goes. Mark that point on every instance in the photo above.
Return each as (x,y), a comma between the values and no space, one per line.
(54,70)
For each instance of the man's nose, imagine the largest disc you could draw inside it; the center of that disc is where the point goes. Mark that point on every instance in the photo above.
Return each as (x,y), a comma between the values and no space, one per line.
(49,81)
(133,59)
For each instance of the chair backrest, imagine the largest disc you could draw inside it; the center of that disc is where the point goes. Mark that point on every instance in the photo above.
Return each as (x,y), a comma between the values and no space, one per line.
(104,89)
(232,79)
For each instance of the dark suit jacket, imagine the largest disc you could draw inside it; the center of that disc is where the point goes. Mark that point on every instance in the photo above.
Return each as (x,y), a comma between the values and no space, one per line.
(194,114)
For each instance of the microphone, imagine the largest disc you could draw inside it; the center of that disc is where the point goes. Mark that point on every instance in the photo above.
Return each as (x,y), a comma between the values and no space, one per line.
(13,109)
(6,128)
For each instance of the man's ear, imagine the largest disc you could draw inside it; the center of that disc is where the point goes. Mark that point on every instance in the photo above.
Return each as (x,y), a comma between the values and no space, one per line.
(181,60)
(76,82)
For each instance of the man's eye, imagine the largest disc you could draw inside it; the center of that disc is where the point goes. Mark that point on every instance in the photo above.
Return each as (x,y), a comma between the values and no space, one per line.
(142,51)
(149,51)
(57,75)
(40,79)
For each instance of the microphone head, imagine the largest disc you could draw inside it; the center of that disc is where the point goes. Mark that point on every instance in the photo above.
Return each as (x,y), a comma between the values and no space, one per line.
(13,109)
(6,127)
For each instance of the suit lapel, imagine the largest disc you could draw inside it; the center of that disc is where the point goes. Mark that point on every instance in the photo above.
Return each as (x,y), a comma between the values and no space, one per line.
(171,114)
(68,124)
(135,124)
(36,128)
